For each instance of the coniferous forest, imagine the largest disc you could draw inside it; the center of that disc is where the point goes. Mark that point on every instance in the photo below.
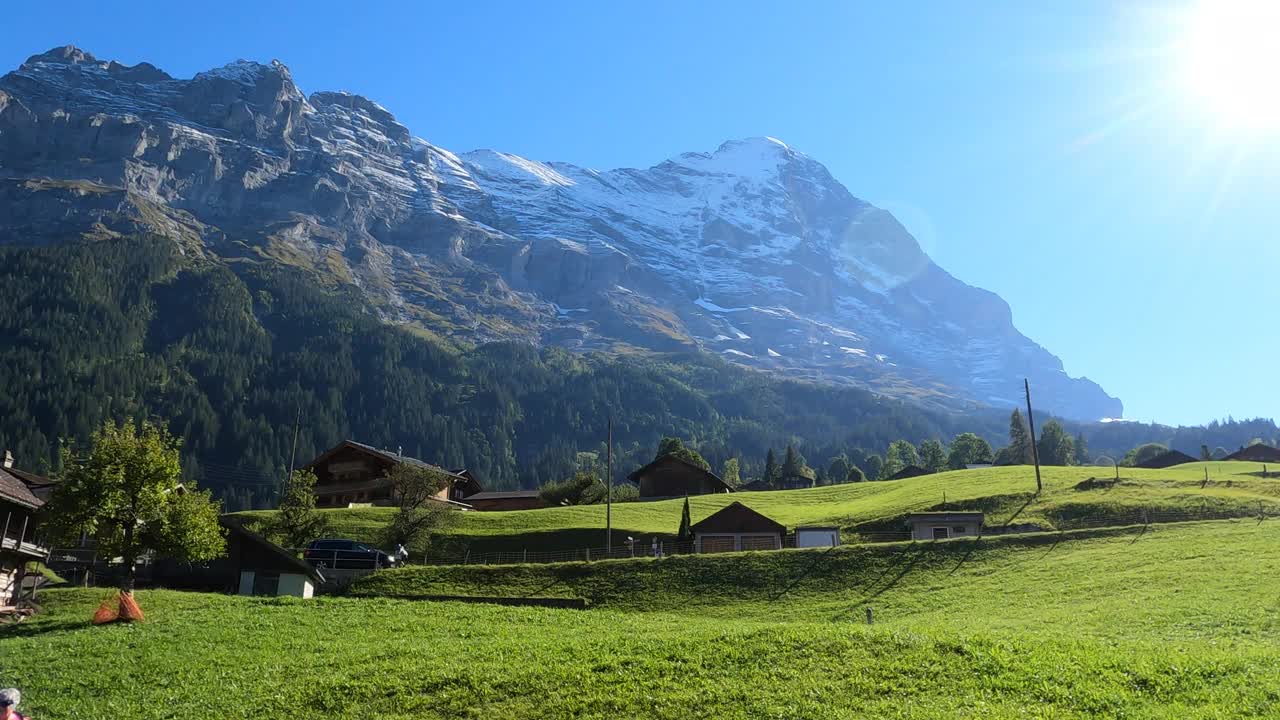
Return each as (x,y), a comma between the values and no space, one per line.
(233,353)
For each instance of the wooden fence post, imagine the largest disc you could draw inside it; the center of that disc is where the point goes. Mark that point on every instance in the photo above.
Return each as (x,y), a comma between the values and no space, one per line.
(869,616)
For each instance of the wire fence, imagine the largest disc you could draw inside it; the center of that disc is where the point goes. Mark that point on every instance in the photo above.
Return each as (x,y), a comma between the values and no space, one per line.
(853,536)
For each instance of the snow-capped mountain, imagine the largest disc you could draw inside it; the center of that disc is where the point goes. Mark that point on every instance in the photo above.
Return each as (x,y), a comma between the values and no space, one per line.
(753,251)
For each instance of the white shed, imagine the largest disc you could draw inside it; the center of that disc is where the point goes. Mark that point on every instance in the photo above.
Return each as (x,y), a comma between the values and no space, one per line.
(944,525)
(813,536)
(264,568)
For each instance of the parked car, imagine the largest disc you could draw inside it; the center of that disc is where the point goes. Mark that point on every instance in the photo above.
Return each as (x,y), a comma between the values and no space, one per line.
(342,554)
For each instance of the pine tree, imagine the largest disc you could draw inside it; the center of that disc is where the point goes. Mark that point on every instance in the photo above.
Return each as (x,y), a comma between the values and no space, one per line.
(1019,452)
(792,464)
(771,470)
(1205,453)
(1082,450)
(685,534)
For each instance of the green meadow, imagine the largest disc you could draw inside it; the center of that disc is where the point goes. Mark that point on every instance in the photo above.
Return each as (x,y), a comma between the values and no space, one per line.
(1168,620)
(1006,494)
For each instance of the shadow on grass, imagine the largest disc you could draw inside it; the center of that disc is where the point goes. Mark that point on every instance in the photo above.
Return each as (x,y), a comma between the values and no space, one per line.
(968,553)
(804,574)
(37,628)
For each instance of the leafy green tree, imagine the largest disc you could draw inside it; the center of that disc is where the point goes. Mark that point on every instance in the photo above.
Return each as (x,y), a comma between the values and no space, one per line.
(297,522)
(685,534)
(730,472)
(583,488)
(415,491)
(1019,448)
(1055,445)
(676,447)
(855,474)
(968,449)
(1143,453)
(901,454)
(875,467)
(838,468)
(127,494)
(933,456)
(1082,450)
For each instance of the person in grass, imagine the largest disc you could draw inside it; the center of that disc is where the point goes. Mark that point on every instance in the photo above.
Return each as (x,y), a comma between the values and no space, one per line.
(9,699)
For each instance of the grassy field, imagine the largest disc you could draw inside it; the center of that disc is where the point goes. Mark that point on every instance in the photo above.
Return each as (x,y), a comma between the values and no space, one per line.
(1173,621)
(1006,494)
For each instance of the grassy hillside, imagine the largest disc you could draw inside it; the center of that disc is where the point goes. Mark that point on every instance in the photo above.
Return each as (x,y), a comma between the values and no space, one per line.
(1006,494)
(1180,621)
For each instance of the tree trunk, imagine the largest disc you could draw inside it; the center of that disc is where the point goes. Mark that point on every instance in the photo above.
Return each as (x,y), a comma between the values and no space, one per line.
(130,562)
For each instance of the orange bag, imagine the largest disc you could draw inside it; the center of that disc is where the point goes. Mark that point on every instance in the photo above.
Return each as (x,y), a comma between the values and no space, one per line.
(121,606)
(107,612)
(129,610)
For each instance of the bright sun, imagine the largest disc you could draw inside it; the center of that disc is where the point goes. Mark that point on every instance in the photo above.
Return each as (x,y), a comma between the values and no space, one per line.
(1231,57)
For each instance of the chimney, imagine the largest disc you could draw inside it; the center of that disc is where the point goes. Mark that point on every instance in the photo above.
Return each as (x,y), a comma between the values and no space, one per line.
(8,459)
(399,451)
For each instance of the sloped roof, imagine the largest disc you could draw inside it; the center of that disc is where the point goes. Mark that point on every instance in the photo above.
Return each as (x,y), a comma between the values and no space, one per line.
(1256,453)
(1166,459)
(385,455)
(909,471)
(669,459)
(503,495)
(737,518)
(16,491)
(234,527)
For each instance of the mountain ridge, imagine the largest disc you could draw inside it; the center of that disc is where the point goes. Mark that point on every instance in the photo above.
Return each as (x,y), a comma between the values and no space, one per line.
(753,251)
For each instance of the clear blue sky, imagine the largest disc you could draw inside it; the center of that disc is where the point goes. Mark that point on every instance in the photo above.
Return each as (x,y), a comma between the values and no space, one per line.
(1050,152)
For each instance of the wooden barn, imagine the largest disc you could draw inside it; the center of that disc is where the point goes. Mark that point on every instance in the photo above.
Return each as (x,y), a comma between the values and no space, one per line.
(909,471)
(354,473)
(1166,459)
(1256,453)
(737,527)
(506,500)
(669,477)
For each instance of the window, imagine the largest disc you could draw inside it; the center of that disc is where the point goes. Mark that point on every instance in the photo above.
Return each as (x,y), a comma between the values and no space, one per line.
(940,533)
(959,529)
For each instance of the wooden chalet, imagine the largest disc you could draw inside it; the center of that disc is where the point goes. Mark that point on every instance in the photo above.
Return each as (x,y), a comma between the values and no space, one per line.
(1167,459)
(670,476)
(352,473)
(18,544)
(737,527)
(1256,453)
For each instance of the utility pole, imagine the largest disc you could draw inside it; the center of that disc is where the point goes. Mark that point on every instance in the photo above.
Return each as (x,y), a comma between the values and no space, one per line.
(608,495)
(1035,451)
(293,454)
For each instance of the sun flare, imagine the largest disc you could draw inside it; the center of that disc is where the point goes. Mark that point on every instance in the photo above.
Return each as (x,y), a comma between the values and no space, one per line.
(1231,61)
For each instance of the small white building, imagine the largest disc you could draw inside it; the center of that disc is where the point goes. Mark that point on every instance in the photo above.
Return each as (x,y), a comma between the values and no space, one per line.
(811,536)
(264,568)
(737,527)
(945,525)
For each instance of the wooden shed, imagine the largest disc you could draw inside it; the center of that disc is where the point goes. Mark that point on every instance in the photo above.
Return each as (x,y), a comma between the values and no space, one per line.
(670,476)
(737,527)
(261,567)
(944,525)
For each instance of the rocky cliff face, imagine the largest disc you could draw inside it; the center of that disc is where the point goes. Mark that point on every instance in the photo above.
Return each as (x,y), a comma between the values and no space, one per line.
(754,251)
